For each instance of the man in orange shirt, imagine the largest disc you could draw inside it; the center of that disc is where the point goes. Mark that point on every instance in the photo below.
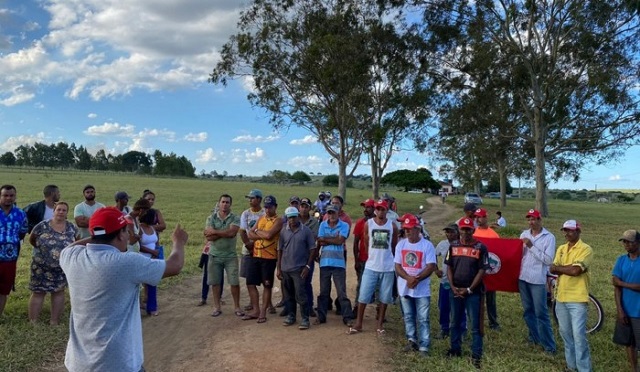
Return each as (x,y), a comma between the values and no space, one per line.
(484,231)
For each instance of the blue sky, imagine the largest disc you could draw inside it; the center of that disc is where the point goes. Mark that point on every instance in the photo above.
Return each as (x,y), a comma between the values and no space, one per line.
(126,75)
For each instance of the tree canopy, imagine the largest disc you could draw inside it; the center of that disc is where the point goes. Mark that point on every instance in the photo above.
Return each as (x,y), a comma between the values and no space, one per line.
(418,179)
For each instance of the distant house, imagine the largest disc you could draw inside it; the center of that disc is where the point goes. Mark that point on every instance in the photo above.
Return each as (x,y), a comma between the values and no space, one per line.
(447,186)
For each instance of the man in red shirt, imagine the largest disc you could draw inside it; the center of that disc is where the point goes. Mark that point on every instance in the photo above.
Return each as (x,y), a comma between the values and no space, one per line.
(360,253)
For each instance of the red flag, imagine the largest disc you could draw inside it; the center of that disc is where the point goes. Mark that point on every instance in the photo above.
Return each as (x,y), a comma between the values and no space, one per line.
(505,258)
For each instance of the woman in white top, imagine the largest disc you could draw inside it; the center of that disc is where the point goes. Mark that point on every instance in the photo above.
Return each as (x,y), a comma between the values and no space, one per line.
(149,248)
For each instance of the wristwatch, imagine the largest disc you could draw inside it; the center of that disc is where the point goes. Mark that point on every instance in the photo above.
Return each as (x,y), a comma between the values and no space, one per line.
(469,291)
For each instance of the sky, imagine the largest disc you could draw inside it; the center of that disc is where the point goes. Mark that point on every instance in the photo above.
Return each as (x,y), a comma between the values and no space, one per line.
(125,75)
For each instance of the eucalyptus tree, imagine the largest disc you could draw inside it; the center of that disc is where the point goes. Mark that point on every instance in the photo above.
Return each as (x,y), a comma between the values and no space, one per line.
(575,68)
(333,68)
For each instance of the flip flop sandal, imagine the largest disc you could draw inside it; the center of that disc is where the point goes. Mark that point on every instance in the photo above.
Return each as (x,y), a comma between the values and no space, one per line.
(216,313)
(381,332)
(353,331)
(239,313)
(262,320)
(249,317)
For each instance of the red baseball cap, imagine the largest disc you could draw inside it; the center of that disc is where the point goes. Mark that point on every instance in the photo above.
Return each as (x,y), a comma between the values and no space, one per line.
(480,212)
(381,204)
(368,203)
(466,223)
(108,220)
(533,213)
(409,221)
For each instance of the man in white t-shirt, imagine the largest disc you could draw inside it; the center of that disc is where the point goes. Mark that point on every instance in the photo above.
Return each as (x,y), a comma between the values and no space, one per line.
(105,330)
(415,260)
(83,211)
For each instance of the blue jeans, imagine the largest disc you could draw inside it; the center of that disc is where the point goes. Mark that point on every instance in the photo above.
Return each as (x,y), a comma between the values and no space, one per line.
(536,314)
(416,313)
(444,306)
(309,287)
(340,281)
(470,303)
(572,320)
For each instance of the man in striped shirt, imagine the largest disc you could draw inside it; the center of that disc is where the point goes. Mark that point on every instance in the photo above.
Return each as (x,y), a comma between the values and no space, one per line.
(539,248)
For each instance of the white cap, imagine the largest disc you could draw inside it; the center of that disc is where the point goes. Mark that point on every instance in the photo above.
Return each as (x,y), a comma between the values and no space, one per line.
(291,212)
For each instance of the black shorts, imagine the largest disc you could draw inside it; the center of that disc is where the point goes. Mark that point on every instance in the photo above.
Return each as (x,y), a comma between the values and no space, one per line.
(261,272)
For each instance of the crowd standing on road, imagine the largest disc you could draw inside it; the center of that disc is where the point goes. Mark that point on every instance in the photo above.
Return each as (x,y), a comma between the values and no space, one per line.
(110,252)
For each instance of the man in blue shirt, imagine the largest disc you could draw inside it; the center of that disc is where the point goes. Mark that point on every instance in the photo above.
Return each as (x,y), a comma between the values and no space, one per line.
(13,228)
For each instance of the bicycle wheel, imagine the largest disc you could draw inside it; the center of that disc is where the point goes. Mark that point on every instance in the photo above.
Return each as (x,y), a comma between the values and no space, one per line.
(595,315)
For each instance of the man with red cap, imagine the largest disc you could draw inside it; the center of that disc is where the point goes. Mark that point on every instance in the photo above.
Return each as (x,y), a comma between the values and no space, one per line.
(105,331)
(571,264)
(484,231)
(380,236)
(360,253)
(538,250)
(415,260)
(467,261)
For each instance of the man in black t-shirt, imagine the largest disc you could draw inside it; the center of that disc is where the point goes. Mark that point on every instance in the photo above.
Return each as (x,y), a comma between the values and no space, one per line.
(467,261)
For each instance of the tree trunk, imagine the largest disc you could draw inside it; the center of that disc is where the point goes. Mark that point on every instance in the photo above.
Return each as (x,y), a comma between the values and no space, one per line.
(541,177)
(342,180)
(502,173)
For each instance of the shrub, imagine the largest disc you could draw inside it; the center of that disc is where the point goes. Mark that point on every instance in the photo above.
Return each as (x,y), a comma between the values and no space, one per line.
(564,195)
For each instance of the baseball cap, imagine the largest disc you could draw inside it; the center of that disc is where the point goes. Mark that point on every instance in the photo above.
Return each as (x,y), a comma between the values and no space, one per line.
(381,204)
(533,213)
(409,221)
(469,207)
(368,203)
(306,201)
(255,193)
(270,201)
(570,225)
(294,199)
(87,187)
(630,235)
(332,208)
(480,212)
(107,220)
(465,223)
(291,212)
(452,226)
(122,195)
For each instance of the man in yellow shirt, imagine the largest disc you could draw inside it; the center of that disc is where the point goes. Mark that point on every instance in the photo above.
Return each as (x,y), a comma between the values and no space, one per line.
(571,264)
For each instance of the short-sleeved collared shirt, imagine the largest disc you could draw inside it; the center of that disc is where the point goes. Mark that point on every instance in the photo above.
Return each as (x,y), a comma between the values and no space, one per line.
(573,288)
(223,247)
(264,248)
(333,255)
(13,225)
(296,246)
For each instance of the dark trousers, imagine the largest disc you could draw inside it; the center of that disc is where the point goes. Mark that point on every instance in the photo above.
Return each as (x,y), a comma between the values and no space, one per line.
(296,292)
(340,281)
(204,260)
(492,309)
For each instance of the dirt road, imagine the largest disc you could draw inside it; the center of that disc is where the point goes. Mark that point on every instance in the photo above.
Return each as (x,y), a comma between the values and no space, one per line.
(186,338)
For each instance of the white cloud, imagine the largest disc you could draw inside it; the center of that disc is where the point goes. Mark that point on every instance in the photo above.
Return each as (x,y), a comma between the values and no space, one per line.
(206,156)
(92,116)
(110,129)
(28,140)
(111,48)
(166,134)
(239,156)
(615,177)
(312,162)
(196,137)
(304,141)
(256,139)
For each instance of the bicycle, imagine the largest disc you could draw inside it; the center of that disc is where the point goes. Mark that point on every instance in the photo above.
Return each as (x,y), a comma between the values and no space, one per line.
(595,312)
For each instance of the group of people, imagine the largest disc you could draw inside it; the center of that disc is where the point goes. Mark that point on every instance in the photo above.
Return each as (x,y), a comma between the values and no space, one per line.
(105,284)
(50,232)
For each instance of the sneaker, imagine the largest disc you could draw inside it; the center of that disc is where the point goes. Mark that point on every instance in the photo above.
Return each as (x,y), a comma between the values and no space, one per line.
(476,363)
(410,346)
(424,353)
(304,324)
(453,353)
(289,321)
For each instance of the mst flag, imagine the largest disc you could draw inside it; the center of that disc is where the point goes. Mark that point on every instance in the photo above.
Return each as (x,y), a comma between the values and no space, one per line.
(505,257)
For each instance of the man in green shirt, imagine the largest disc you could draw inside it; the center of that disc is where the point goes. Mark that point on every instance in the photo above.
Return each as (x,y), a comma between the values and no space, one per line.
(221,229)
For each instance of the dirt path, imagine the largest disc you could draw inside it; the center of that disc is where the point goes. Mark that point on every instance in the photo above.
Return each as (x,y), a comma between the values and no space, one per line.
(186,338)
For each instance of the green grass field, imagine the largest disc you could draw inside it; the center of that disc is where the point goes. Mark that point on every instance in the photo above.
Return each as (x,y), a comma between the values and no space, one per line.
(189,201)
